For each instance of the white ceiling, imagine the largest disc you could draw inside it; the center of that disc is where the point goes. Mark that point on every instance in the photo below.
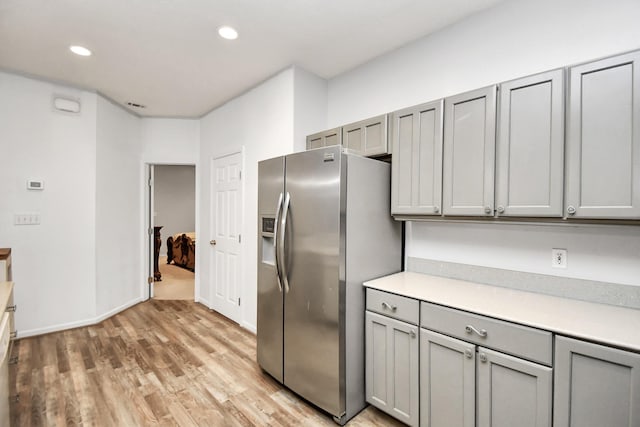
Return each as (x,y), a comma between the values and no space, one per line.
(166,54)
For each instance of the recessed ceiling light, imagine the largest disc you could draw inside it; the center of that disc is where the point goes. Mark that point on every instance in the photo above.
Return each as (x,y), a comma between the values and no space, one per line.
(228,33)
(79,50)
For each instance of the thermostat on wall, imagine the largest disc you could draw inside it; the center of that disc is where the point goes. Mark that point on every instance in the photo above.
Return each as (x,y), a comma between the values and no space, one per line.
(35,184)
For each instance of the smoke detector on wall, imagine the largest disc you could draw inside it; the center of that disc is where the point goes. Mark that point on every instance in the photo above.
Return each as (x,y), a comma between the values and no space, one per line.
(66,105)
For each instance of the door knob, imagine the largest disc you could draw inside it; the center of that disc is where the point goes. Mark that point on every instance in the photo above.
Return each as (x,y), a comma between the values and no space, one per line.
(212,242)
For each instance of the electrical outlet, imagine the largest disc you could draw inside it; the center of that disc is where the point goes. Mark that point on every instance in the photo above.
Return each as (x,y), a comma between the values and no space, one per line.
(559,258)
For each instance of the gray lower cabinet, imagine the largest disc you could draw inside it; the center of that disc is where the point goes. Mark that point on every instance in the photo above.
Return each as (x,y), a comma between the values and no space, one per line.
(603,139)
(469,153)
(595,385)
(512,391)
(392,367)
(367,137)
(447,381)
(459,382)
(416,170)
(325,138)
(530,146)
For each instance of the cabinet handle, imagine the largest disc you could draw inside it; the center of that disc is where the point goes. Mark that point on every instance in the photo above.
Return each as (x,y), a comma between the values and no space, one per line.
(13,334)
(488,209)
(13,360)
(468,353)
(412,334)
(500,209)
(571,210)
(436,209)
(12,307)
(481,332)
(15,399)
(483,358)
(388,306)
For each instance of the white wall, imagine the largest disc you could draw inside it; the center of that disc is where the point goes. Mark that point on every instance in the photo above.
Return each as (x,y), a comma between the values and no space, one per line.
(514,39)
(54,265)
(174,141)
(309,106)
(118,193)
(174,200)
(260,122)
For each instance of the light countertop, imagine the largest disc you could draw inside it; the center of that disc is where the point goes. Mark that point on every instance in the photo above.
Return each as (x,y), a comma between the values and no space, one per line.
(607,324)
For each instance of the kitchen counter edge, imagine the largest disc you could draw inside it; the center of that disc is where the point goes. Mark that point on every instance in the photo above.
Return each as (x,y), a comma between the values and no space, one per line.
(605,324)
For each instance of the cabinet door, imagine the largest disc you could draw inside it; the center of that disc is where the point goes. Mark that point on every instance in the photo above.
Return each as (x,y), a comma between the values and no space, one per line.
(325,138)
(447,381)
(512,392)
(469,152)
(603,139)
(595,385)
(416,168)
(392,367)
(530,148)
(367,137)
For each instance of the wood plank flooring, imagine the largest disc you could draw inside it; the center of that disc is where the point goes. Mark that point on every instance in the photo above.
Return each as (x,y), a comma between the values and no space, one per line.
(163,363)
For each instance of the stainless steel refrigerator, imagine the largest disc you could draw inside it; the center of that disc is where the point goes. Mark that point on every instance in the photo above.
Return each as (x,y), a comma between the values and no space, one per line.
(324,227)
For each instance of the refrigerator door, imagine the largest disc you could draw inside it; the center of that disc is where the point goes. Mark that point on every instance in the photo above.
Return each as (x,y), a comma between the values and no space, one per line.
(270,296)
(312,311)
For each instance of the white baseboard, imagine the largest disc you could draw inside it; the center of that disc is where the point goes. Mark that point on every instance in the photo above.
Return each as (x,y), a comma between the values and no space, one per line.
(79,323)
(250,327)
(203,301)
(117,310)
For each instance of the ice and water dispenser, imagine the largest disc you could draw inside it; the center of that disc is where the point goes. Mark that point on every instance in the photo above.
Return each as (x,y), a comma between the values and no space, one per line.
(268,251)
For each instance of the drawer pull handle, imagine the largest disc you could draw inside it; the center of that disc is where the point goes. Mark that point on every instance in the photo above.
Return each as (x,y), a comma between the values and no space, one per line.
(468,354)
(412,334)
(481,332)
(483,358)
(12,307)
(388,306)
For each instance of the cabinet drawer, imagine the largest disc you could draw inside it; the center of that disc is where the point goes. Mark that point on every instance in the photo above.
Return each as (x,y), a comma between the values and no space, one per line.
(392,305)
(522,341)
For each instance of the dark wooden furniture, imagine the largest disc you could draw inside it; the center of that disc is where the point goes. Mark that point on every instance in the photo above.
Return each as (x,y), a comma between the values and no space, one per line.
(157,276)
(181,249)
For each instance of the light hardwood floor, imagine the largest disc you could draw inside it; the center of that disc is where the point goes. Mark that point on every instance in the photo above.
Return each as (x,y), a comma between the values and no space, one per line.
(157,363)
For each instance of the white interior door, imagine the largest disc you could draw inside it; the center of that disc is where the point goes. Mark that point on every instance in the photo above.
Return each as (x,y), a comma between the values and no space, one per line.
(150,236)
(225,244)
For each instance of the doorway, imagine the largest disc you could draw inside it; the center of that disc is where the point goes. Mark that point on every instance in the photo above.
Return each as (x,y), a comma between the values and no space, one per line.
(172,209)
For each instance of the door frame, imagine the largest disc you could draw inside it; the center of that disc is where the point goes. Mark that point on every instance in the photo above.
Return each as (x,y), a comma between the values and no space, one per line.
(241,262)
(146,289)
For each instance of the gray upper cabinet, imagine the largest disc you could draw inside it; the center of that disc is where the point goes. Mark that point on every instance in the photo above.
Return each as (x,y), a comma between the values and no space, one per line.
(416,170)
(367,137)
(530,146)
(469,153)
(603,139)
(325,138)
(595,385)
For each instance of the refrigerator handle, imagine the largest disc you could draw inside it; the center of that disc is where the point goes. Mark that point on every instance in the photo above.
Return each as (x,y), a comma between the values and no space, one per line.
(275,241)
(285,214)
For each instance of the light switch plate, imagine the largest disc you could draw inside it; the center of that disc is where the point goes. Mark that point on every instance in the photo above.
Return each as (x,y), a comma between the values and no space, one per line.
(27,218)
